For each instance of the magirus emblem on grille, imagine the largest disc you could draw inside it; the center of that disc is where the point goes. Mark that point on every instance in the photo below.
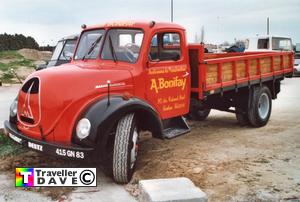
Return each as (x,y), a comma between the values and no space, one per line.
(29,98)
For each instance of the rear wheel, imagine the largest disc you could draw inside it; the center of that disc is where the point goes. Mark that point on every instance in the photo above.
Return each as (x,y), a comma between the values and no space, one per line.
(260,106)
(125,149)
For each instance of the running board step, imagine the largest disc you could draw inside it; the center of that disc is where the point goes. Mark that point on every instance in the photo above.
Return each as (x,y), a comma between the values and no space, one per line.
(174,127)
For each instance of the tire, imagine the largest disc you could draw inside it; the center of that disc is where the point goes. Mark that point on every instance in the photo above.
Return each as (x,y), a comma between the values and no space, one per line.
(198,115)
(125,149)
(260,107)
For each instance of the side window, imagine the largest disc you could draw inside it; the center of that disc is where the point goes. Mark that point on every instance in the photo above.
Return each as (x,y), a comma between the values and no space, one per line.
(165,46)
(171,41)
(263,44)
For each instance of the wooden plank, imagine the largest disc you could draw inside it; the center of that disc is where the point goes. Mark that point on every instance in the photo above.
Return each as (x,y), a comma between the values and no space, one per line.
(227,70)
(265,65)
(240,69)
(277,63)
(253,67)
(286,61)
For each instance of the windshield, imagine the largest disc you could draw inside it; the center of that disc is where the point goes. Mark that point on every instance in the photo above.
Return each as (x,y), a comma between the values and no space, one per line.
(68,50)
(122,45)
(57,50)
(88,40)
(281,43)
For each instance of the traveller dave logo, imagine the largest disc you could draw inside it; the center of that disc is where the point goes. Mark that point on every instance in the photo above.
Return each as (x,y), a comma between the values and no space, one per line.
(56,177)
(24,177)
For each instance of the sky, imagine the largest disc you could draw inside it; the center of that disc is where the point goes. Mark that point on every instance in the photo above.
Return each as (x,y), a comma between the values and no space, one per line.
(223,20)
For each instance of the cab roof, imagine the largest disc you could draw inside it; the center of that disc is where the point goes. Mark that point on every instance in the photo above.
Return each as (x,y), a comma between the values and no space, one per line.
(70,37)
(136,24)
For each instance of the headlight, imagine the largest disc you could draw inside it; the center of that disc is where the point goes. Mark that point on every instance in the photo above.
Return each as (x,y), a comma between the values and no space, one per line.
(83,128)
(14,108)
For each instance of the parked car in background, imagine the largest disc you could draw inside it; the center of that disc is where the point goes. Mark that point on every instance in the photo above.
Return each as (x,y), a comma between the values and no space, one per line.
(268,43)
(297,60)
(62,53)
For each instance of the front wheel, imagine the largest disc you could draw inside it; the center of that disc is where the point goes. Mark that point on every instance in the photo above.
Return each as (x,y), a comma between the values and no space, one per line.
(125,149)
(260,108)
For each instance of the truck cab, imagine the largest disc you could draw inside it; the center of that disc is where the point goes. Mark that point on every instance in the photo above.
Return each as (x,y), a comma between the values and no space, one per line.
(124,77)
(268,43)
(63,52)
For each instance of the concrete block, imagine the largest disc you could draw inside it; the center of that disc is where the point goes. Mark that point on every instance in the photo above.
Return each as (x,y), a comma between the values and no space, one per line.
(171,190)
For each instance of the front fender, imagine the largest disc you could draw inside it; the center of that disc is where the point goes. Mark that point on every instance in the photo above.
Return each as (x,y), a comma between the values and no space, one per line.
(104,116)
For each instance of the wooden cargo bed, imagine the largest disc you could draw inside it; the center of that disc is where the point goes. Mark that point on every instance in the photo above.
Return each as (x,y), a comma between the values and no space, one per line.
(214,73)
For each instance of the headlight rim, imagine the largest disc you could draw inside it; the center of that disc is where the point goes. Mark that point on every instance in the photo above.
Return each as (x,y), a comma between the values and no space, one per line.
(80,133)
(13,110)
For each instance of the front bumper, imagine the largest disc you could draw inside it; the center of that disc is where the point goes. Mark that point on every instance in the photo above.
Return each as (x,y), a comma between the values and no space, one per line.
(70,152)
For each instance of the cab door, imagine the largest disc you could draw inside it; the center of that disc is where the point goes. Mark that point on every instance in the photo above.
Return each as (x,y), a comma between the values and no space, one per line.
(168,74)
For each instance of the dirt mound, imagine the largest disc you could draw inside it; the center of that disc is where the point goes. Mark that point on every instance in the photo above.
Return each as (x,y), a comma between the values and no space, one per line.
(33,54)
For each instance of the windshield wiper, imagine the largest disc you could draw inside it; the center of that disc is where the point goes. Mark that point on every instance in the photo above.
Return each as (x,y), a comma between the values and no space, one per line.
(92,47)
(112,50)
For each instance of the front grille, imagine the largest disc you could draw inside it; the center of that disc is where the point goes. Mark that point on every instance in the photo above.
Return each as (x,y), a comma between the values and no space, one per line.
(26,119)
(31,101)
(31,86)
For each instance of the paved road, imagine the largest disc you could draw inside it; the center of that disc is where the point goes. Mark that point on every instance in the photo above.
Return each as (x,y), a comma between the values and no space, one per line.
(7,95)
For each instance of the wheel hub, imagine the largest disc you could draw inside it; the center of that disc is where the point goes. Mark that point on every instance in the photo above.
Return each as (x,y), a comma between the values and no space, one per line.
(263,106)
(134,150)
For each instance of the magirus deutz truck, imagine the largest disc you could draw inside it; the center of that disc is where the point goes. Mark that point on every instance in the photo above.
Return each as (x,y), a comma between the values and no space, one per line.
(127,77)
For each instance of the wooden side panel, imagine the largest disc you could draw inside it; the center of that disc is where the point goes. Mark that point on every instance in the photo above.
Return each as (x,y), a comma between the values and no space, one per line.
(253,67)
(227,71)
(211,74)
(265,65)
(240,69)
(286,61)
(277,63)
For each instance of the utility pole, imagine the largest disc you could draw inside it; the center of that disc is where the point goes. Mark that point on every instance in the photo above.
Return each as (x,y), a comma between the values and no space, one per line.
(171,10)
(202,35)
(268,26)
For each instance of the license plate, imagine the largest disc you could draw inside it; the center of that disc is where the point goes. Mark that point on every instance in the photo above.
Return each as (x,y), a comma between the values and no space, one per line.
(15,138)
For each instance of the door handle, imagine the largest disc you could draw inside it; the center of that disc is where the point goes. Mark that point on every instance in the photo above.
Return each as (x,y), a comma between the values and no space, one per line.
(186,74)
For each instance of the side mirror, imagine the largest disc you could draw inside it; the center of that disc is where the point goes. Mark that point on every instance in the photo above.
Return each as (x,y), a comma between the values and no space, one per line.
(40,67)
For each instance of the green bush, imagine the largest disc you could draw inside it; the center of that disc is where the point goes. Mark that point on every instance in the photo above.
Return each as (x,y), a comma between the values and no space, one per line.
(16,42)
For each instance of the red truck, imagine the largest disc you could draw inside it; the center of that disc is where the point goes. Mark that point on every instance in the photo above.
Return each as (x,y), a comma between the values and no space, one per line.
(131,76)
